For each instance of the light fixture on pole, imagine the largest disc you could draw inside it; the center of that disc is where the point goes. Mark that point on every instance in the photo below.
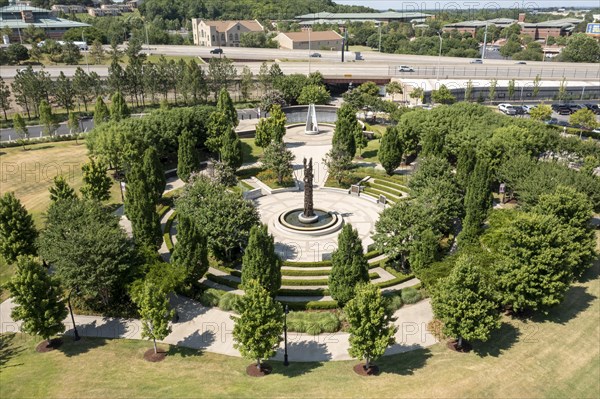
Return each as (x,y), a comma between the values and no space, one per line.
(439,57)
(285,352)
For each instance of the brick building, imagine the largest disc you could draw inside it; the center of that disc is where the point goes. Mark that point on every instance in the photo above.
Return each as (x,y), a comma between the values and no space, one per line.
(222,33)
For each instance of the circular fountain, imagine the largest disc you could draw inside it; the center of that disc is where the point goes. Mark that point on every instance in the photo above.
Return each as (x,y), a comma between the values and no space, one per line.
(308,220)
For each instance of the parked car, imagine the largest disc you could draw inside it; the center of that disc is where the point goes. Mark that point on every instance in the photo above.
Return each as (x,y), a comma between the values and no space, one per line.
(477,61)
(528,108)
(597,130)
(519,110)
(508,109)
(405,68)
(593,107)
(562,109)
(316,55)
(216,51)
(551,121)
(521,63)
(562,123)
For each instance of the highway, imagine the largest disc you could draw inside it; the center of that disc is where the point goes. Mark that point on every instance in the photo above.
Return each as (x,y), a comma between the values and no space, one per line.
(373,64)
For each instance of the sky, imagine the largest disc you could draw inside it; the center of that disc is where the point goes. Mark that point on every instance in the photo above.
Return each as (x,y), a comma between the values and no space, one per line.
(417,5)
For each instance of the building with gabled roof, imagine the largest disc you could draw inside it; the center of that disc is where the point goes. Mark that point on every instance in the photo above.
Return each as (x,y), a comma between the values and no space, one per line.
(222,33)
(18,17)
(328,40)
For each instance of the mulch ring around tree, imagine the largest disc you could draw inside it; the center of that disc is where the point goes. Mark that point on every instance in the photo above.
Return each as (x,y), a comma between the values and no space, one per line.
(253,371)
(150,356)
(46,346)
(360,369)
(453,344)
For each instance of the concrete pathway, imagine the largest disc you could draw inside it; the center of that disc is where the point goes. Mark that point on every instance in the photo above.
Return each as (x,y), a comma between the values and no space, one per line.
(210,329)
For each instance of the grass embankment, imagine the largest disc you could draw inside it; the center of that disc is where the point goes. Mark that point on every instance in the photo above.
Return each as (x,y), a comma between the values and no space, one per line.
(554,356)
(358,173)
(30,173)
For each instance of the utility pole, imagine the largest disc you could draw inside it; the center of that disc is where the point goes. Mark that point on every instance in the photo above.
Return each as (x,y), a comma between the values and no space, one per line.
(379,48)
(309,29)
(439,58)
(484,42)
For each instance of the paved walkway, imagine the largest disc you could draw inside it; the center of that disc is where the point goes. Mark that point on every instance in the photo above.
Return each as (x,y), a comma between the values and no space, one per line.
(210,329)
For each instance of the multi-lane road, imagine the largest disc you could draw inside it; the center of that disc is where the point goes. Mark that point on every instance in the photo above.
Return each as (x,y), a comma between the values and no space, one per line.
(373,64)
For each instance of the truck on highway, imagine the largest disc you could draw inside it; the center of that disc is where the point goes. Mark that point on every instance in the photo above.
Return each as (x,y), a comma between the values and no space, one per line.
(350,55)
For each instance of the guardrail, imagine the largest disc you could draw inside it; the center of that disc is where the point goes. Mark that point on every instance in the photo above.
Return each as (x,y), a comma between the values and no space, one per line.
(512,72)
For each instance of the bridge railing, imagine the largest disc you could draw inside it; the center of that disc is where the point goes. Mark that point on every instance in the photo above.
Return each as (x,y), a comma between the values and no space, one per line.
(498,72)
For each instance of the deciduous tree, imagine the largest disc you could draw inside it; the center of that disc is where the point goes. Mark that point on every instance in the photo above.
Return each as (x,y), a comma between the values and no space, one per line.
(466,300)
(258,329)
(371,324)
(279,159)
(155,312)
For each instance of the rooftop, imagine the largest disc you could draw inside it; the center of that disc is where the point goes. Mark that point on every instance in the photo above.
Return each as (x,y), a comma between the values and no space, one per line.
(314,36)
(11,16)
(363,16)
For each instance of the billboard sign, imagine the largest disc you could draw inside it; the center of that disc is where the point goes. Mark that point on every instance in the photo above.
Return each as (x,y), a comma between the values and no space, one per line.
(593,29)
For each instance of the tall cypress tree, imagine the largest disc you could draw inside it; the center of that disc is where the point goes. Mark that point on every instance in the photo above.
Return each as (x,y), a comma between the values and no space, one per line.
(478,201)
(101,112)
(231,151)
(118,107)
(190,253)
(187,156)
(155,172)
(346,128)
(465,164)
(260,262)
(17,232)
(349,266)
(391,150)
(141,208)
(37,296)
(225,106)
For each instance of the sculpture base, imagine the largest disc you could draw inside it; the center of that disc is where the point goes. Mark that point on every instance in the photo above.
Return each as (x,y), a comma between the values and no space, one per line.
(312,132)
(307,219)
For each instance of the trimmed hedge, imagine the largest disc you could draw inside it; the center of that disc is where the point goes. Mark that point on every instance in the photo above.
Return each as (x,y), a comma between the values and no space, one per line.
(161,209)
(372,275)
(372,254)
(370,190)
(296,273)
(387,188)
(397,280)
(324,263)
(392,184)
(223,281)
(311,305)
(303,292)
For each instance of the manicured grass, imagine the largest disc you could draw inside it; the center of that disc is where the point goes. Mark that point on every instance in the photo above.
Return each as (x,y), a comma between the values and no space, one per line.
(553,356)
(250,151)
(369,153)
(31,172)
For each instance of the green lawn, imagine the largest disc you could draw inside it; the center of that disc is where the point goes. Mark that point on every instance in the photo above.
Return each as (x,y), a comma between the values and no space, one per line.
(369,153)
(250,151)
(554,356)
(31,172)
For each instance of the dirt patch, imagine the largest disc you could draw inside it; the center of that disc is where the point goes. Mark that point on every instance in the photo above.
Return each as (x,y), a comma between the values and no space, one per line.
(47,346)
(360,369)
(150,356)
(253,371)
(453,345)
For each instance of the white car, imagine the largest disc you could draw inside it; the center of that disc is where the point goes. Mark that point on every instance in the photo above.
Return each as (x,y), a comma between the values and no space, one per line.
(405,68)
(508,109)
(528,108)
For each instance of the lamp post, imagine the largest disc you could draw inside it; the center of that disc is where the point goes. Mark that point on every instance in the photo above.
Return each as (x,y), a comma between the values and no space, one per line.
(309,29)
(77,337)
(285,353)
(379,46)
(439,57)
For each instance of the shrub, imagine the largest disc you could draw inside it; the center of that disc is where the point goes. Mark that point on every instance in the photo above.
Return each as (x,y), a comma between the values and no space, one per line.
(325,263)
(311,305)
(394,302)
(410,295)
(229,302)
(211,297)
